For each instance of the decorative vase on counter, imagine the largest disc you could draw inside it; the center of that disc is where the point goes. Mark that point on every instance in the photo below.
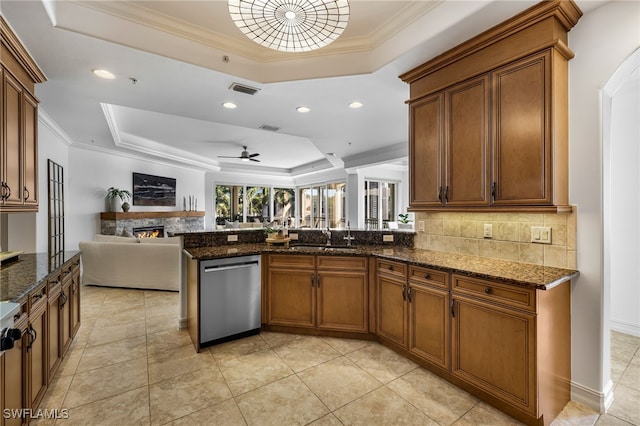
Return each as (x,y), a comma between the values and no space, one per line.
(125,206)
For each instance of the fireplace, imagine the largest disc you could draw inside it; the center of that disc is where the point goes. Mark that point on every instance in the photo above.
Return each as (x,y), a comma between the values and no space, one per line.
(156,231)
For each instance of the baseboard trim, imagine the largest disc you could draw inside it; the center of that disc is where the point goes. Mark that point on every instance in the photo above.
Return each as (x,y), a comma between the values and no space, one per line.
(182,323)
(600,401)
(625,327)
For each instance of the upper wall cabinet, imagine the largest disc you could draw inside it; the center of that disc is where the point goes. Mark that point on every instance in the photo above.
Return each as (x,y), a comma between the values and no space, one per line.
(19,125)
(488,120)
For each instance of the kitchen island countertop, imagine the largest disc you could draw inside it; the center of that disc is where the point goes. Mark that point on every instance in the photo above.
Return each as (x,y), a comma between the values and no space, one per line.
(516,273)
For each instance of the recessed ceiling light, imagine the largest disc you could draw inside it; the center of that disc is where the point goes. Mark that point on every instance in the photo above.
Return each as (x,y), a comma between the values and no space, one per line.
(229,105)
(303,109)
(355,105)
(103,74)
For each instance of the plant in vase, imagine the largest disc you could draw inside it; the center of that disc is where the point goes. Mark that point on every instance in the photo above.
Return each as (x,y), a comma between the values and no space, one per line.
(118,197)
(403,221)
(273,231)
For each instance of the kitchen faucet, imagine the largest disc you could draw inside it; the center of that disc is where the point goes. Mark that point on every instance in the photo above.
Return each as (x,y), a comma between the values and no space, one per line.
(349,237)
(327,233)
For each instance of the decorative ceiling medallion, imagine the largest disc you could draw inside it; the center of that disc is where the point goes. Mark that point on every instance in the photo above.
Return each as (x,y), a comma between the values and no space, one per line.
(290,25)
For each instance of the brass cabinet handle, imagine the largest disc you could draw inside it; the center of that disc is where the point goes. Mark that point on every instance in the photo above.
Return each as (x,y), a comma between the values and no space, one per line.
(487,290)
(427,276)
(28,193)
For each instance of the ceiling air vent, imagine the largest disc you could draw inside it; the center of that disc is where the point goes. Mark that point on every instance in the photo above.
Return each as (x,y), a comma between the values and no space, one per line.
(237,87)
(269,128)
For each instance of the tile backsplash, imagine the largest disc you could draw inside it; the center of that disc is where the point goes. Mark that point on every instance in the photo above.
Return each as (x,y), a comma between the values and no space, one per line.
(463,233)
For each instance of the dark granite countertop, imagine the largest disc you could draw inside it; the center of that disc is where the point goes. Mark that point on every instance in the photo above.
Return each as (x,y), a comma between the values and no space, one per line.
(19,277)
(523,274)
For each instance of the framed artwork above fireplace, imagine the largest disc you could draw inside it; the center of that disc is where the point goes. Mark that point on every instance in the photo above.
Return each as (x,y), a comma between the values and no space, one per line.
(149,190)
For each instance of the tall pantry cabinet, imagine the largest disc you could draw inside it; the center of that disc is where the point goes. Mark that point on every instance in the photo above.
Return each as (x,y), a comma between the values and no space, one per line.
(19,131)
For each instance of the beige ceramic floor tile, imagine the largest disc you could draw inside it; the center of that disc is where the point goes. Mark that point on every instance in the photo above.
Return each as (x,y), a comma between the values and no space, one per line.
(277,339)
(101,335)
(171,354)
(609,420)
(114,316)
(159,323)
(345,346)
(285,402)
(626,404)
(338,382)
(225,413)
(575,414)
(251,371)
(105,382)
(113,353)
(631,375)
(53,401)
(305,353)
(159,371)
(186,394)
(381,362)
(161,345)
(382,407)
(484,414)
(128,408)
(237,348)
(328,420)
(69,364)
(435,397)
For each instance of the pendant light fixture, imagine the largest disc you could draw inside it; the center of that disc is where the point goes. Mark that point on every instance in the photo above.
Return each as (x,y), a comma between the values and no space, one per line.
(290,25)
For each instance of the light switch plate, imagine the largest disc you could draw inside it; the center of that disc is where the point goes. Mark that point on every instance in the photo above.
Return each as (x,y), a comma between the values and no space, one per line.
(387,238)
(421,225)
(231,238)
(541,234)
(487,231)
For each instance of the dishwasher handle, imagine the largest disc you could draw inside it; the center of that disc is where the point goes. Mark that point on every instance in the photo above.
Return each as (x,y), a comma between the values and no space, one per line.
(230,266)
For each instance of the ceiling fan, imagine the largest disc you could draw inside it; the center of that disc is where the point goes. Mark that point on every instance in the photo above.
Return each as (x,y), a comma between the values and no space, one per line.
(244,156)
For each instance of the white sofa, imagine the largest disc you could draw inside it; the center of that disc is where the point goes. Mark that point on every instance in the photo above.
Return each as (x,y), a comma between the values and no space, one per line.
(145,263)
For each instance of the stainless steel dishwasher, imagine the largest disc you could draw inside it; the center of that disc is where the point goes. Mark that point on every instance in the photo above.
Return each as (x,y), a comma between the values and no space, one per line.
(229,298)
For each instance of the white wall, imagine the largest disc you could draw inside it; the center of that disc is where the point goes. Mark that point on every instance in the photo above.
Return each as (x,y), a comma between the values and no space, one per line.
(93,171)
(624,148)
(601,41)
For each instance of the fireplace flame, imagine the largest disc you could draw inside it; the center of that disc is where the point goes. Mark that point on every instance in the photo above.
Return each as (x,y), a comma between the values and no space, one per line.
(148,234)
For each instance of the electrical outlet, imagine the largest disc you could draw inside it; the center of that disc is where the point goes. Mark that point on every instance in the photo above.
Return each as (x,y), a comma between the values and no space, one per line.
(541,234)
(387,238)
(421,225)
(293,236)
(231,238)
(488,230)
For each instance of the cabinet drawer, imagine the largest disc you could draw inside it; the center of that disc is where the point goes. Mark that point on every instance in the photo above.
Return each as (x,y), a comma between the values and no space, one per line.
(391,267)
(292,260)
(511,295)
(421,275)
(38,297)
(348,263)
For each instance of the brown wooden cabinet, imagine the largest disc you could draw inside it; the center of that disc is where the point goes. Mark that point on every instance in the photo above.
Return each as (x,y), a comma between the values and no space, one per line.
(36,350)
(317,292)
(513,344)
(75,299)
(413,313)
(54,352)
(65,310)
(19,119)
(488,119)
(15,382)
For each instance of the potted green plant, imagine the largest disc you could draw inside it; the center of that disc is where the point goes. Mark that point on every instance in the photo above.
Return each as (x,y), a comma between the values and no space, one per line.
(272,230)
(403,221)
(118,198)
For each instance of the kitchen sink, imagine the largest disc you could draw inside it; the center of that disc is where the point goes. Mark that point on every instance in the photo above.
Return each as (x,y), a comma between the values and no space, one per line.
(324,248)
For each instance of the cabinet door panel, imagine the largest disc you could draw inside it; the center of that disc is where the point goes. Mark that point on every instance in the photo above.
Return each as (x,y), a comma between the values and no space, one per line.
(522,146)
(392,310)
(494,349)
(425,151)
(342,301)
(54,356)
(14,380)
(30,142)
(37,357)
(291,296)
(75,299)
(429,324)
(65,313)
(13,151)
(467,143)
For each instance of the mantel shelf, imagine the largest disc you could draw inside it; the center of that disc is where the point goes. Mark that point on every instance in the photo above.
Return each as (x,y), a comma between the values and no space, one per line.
(148,215)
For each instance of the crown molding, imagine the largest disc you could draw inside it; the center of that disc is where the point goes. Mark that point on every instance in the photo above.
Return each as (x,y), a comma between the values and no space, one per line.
(48,122)
(12,43)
